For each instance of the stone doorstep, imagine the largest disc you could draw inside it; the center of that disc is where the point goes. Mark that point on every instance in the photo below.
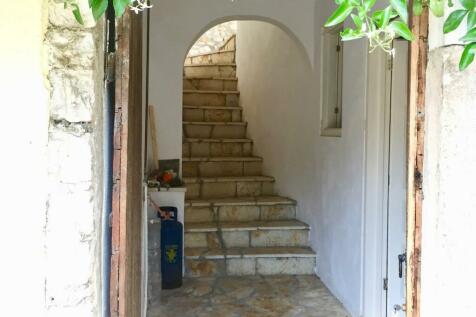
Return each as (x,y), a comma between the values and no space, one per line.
(223,159)
(215,123)
(214,108)
(224,140)
(210,92)
(246,226)
(243,253)
(241,201)
(200,180)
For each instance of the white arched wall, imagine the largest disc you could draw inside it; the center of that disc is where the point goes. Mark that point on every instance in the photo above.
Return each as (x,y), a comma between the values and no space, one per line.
(176,24)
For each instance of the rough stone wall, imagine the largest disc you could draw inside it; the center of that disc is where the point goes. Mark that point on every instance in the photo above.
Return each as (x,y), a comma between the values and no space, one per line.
(72,229)
(449,217)
(214,38)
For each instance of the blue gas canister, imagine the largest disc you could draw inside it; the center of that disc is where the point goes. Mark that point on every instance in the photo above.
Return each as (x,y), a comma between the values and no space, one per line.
(171,249)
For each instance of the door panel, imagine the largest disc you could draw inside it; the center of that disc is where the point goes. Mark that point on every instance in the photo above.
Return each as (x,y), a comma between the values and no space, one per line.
(396,203)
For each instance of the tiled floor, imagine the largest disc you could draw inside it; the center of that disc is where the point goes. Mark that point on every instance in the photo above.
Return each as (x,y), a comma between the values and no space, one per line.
(275,296)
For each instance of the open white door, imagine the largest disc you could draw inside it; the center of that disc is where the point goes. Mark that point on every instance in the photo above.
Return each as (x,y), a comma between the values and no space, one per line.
(396,200)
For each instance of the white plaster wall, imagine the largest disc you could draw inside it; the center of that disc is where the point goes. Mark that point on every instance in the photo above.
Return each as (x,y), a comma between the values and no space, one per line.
(177,24)
(280,95)
(449,217)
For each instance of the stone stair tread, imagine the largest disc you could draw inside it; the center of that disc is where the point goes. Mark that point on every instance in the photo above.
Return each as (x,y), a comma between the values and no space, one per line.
(223,179)
(210,78)
(214,123)
(246,226)
(258,252)
(208,65)
(221,92)
(211,53)
(240,201)
(221,140)
(213,107)
(222,159)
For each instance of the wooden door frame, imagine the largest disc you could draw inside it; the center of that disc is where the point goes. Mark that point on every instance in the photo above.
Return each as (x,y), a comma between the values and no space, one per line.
(418,57)
(125,282)
(125,293)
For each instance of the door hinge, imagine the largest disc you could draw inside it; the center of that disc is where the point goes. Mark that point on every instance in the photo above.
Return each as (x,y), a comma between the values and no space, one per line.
(385,284)
(110,67)
(390,63)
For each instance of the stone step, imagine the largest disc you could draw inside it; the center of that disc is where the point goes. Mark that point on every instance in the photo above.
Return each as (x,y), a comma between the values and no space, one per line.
(221,166)
(214,98)
(214,130)
(240,209)
(227,187)
(216,235)
(227,70)
(220,84)
(220,57)
(216,147)
(203,262)
(212,114)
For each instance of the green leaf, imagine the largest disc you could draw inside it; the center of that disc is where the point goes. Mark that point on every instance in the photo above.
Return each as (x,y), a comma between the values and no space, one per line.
(357,21)
(417,7)
(470,36)
(454,20)
(471,20)
(467,4)
(340,14)
(120,6)
(368,4)
(349,34)
(77,13)
(450,3)
(467,57)
(98,8)
(382,17)
(437,7)
(401,29)
(401,7)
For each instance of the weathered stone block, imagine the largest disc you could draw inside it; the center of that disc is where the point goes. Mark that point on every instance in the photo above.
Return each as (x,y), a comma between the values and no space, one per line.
(198,214)
(218,169)
(192,115)
(217,115)
(229,132)
(278,212)
(267,188)
(197,131)
(203,268)
(196,240)
(193,191)
(232,100)
(236,239)
(219,190)
(244,189)
(240,267)
(201,149)
(190,169)
(238,213)
(252,168)
(279,238)
(276,266)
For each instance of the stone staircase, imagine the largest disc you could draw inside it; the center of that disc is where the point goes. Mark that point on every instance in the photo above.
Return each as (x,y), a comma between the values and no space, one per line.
(234,222)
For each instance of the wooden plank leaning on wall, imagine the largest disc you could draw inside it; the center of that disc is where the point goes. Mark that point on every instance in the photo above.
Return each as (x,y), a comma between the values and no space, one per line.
(416,138)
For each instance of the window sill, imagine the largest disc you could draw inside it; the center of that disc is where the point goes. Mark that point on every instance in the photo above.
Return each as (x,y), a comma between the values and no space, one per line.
(332,132)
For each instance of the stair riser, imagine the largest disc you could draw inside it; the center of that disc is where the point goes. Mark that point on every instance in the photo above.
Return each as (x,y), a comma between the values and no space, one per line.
(210,84)
(214,131)
(229,189)
(245,239)
(250,266)
(217,149)
(211,99)
(213,58)
(219,169)
(211,115)
(239,213)
(210,71)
